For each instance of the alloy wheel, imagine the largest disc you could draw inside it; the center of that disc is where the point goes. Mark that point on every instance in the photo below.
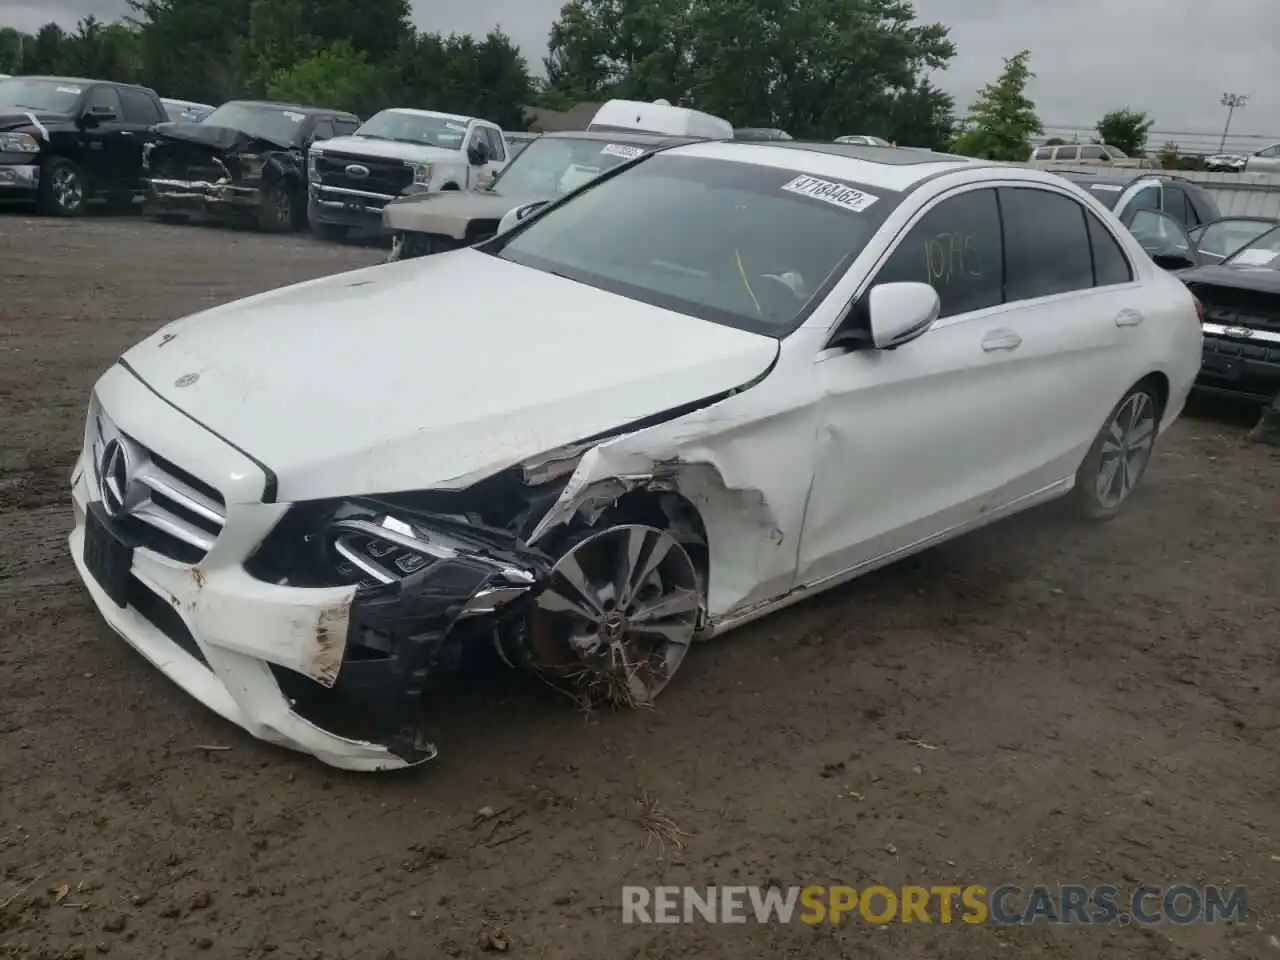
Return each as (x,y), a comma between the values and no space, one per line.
(1126,449)
(67,190)
(619,614)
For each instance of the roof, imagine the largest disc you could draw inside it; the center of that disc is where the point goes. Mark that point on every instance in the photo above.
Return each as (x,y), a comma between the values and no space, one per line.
(885,167)
(296,107)
(415,112)
(83,81)
(620,136)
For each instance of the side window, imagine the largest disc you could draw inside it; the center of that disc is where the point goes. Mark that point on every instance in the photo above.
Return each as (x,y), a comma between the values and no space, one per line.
(1148,198)
(956,248)
(345,126)
(1044,153)
(1068,153)
(139,107)
(1110,265)
(1178,206)
(324,130)
(1092,153)
(102,99)
(1269,152)
(1046,244)
(496,150)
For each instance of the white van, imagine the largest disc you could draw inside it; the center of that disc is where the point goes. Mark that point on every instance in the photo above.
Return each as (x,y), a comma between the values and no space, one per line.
(660,117)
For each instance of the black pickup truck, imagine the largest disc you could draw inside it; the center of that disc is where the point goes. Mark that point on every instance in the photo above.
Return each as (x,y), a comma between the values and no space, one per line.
(65,141)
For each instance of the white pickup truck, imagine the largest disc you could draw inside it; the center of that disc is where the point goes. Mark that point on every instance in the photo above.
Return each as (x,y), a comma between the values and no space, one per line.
(397,152)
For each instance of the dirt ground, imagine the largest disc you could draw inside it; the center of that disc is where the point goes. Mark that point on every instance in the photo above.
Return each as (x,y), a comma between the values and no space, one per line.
(1090,704)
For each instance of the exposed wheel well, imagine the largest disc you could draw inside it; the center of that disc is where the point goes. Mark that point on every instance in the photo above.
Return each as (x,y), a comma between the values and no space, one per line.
(450,186)
(670,511)
(1160,383)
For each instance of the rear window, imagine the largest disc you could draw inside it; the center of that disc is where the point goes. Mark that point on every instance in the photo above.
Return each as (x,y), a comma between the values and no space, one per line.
(747,246)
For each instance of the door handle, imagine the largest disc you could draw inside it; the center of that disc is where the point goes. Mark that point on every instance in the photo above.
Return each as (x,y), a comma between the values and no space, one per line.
(126,133)
(1001,340)
(1129,318)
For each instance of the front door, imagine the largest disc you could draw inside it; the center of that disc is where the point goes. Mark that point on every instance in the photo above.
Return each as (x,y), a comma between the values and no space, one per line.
(913,441)
(112,153)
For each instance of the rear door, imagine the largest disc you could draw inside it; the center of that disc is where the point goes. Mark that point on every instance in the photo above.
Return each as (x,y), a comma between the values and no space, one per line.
(141,113)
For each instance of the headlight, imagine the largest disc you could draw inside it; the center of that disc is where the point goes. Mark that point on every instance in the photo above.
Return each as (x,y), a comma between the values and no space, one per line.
(380,548)
(19,143)
(421,174)
(312,156)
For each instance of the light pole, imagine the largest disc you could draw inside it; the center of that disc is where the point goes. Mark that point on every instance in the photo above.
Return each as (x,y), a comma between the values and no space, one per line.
(1231,101)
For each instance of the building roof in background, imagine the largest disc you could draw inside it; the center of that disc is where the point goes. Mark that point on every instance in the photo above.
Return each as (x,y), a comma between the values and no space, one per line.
(577,117)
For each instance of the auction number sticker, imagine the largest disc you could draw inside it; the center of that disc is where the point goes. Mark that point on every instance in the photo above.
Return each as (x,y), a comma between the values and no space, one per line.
(294,116)
(622,150)
(1105,187)
(72,90)
(836,194)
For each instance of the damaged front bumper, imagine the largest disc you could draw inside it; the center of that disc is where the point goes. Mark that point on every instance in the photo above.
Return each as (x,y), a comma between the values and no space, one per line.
(212,197)
(179,568)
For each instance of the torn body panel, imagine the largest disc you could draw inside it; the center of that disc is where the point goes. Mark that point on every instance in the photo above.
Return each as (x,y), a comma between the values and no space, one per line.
(195,168)
(743,463)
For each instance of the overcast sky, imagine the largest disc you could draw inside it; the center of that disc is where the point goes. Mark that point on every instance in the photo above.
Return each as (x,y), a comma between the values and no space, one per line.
(1173,59)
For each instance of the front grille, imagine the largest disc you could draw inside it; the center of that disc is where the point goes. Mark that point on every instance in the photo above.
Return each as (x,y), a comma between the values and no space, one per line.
(164,507)
(387,177)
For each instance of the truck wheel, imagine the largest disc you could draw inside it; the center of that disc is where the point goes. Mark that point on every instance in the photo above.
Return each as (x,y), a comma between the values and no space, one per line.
(62,188)
(278,212)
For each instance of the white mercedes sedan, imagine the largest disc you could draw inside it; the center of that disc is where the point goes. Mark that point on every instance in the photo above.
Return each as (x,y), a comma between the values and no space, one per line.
(718,379)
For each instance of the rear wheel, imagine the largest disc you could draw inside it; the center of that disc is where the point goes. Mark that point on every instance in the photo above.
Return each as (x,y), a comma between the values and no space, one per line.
(1120,454)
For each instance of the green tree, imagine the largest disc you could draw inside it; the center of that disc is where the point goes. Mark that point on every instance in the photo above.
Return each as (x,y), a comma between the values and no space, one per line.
(1126,130)
(1002,120)
(812,67)
(1053,142)
(921,116)
(46,52)
(13,45)
(193,49)
(339,76)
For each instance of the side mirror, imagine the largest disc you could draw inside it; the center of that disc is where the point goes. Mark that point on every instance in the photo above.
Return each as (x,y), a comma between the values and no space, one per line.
(900,312)
(99,113)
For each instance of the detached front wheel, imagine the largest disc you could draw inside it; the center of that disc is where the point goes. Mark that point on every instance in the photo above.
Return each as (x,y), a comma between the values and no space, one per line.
(618,615)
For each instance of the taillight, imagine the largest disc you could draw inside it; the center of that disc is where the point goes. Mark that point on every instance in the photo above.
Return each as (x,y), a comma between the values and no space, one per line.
(1199,308)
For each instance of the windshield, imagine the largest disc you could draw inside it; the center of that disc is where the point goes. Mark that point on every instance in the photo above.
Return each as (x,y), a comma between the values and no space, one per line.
(550,167)
(1263,252)
(277,124)
(429,131)
(748,246)
(1115,153)
(54,96)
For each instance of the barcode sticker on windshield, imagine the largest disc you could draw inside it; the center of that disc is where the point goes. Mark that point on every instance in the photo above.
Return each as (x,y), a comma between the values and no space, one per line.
(1105,187)
(295,117)
(836,194)
(622,150)
(72,90)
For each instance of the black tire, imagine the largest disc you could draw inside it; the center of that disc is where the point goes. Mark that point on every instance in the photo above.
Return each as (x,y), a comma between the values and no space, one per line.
(1129,448)
(329,232)
(279,211)
(63,188)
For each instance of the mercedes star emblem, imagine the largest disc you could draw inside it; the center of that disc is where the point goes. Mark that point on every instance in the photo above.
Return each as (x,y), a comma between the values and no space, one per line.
(114,471)
(186,380)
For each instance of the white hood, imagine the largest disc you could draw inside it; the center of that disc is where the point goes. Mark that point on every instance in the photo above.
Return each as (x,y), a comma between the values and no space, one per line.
(433,372)
(390,149)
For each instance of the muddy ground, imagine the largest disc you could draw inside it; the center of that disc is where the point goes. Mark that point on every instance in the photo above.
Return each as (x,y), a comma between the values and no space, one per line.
(1090,704)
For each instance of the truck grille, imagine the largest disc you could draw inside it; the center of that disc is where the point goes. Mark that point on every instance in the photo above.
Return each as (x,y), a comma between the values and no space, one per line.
(387,177)
(163,506)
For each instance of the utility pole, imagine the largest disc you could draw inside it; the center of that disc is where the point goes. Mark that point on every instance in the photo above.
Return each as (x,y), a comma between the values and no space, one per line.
(1231,101)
